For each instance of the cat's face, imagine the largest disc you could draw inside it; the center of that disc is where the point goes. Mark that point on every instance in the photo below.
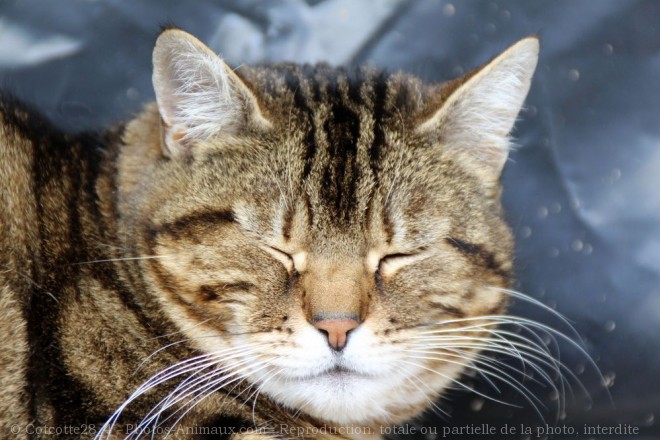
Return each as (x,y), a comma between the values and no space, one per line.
(335,237)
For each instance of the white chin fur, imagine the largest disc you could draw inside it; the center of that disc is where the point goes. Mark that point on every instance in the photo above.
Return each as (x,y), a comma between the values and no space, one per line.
(377,388)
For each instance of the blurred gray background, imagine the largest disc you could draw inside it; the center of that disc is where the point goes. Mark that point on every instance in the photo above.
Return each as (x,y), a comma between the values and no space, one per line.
(581,189)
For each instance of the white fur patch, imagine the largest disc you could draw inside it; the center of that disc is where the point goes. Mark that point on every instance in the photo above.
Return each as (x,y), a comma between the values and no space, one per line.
(373,386)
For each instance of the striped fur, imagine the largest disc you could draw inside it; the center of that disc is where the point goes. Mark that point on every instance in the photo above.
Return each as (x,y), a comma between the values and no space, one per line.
(126,252)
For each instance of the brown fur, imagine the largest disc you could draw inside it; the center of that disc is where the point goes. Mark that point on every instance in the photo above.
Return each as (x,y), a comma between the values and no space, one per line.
(338,174)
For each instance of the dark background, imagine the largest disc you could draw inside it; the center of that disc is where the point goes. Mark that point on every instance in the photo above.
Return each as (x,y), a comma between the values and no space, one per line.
(581,189)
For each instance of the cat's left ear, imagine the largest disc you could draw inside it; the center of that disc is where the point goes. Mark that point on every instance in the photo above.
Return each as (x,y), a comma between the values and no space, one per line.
(477,112)
(198,95)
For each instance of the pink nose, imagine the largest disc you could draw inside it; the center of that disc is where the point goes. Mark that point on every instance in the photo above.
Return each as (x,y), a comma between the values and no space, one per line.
(336,330)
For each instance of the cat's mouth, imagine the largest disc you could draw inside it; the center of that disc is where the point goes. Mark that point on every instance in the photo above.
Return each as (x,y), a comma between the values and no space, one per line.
(339,372)
(334,372)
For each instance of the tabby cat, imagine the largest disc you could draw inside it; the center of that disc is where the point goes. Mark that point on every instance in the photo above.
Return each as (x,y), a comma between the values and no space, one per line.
(274,251)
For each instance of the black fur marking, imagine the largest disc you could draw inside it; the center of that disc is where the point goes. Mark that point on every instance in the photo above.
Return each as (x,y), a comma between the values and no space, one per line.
(65,173)
(342,129)
(309,210)
(287,223)
(388,227)
(228,428)
(464,246)
(380,285)
(483,256)
(294,83)
(188,224)
(207,293)
(57,158)
(339,94)
(380,95)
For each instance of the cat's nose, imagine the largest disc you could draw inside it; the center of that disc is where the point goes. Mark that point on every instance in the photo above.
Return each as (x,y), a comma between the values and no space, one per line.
(336,330)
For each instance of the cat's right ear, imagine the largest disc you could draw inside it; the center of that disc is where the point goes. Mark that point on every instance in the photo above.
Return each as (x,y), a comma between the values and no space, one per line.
(198,95)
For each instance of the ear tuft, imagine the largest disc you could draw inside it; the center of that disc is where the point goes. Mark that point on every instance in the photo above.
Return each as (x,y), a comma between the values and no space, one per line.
(198,95)
(475,119)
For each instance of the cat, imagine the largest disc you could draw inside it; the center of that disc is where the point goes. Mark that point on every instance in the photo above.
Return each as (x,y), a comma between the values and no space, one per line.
(276,251)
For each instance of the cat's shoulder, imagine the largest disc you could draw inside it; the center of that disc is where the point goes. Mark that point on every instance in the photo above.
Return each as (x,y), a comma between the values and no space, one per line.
(20,122)
(27,133)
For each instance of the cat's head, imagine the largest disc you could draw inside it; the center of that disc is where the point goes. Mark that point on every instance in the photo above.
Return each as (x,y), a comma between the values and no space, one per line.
(336,236)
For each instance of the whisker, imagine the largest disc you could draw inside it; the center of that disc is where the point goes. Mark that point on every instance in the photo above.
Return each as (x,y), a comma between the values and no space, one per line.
(517,321)
(179,394)
(31,282)
(461,354)
(469,363)
(492,345)
(205,391)
(167,335)
(526,362)
(192,381)
(528,299)
(149,384)
(498,374)
(194,364)
(258,391)
(534,351)
(190,339)
(109,260)
(457,382)
(228,354)
(530,349)
(442,413)
(165,347)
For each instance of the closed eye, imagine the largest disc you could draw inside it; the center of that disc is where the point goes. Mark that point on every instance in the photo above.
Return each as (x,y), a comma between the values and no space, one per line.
(393,259)
(395,256)
(391,263)
(282,257)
